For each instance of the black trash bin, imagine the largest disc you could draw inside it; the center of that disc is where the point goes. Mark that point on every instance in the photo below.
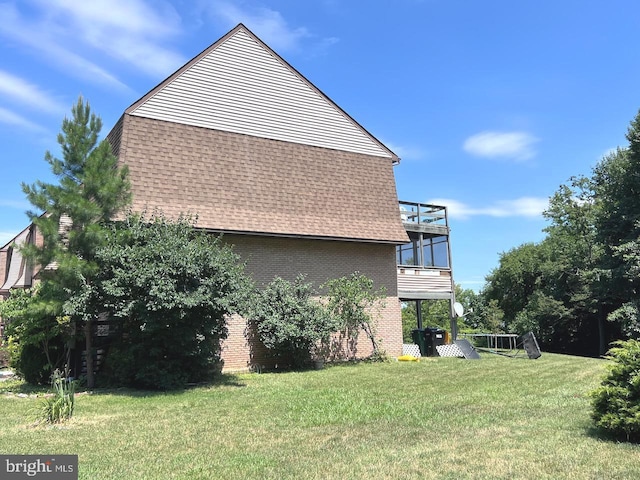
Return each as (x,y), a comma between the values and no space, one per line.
(432,338)
(418,338)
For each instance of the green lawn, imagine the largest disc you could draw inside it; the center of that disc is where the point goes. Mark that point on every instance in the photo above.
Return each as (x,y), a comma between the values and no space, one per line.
(441,418)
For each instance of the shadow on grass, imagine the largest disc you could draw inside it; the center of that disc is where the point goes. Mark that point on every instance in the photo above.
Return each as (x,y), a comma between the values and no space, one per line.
(222,380)
(17,386)
(605,436)
(311,367)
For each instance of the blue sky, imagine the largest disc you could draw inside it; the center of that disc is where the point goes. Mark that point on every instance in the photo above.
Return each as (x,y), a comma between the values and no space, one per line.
(491,105)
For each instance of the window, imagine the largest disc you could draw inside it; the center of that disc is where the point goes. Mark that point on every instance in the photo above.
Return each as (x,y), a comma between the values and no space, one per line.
(409,253)
(439,252)
(424,251)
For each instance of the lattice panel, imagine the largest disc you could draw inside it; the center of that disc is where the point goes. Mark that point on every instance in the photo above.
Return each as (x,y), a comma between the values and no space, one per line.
(449,351)
(411,349)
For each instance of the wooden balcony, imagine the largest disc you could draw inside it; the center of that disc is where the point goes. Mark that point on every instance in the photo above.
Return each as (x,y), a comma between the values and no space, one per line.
(424,283)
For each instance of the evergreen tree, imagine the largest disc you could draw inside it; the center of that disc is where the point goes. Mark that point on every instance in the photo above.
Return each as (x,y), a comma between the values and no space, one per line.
(91,190)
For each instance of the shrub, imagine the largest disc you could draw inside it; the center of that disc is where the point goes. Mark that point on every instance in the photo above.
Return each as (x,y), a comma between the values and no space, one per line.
(29,361)
(616,403)
(170,289)
(290,323)
(351,300)
(38,332)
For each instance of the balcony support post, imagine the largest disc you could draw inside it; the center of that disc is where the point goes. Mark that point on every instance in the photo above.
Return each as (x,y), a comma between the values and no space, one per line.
(419,313)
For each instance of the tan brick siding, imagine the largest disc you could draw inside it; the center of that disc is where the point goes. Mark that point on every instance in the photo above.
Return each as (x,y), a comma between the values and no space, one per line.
(320,260)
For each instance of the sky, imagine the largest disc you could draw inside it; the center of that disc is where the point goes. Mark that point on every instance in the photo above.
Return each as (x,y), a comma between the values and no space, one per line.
(491,105)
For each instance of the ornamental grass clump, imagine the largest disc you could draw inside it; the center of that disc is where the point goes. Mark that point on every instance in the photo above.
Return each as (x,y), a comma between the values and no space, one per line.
(616,403)
(59,407)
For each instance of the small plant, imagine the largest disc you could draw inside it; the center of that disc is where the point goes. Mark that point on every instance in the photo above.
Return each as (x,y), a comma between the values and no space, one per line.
(616,403)
(59,407)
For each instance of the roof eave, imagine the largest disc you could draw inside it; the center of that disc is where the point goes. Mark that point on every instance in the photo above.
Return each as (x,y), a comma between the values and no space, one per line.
(303,236)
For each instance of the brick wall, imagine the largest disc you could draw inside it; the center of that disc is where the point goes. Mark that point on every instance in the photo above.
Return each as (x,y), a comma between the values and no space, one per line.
(320,260)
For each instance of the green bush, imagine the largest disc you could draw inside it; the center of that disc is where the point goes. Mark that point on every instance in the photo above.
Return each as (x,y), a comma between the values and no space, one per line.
(169,289)
(30,362)
(290,323)
(616,403)
(352,300)
(38,332)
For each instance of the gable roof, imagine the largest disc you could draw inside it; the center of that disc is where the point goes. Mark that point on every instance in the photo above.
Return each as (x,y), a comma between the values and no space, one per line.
(17,274)
(240,85)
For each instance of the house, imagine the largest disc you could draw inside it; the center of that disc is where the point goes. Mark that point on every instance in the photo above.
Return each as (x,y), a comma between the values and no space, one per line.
(241,139)
(14,270)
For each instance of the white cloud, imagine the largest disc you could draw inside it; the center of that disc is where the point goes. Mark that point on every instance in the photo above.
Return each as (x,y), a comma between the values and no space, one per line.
(11,118)
(516,146)
(521,207)
(132,16)
(267,24)
(40,37)
(24,92)
(128,30)
(66,31)
(17,204)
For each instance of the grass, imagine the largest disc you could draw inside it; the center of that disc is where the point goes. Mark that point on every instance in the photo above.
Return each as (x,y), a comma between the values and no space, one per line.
(441,418)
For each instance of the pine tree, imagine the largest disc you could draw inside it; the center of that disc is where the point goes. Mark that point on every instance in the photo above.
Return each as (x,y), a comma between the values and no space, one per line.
(91,190)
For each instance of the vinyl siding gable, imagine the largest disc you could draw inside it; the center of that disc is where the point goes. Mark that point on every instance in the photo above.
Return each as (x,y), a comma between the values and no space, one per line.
(239,85)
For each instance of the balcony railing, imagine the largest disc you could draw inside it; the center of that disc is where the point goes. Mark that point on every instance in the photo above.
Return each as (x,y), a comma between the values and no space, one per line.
(423,213)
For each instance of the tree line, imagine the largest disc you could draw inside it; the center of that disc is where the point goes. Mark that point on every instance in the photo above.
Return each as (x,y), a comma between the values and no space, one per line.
(577,289)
